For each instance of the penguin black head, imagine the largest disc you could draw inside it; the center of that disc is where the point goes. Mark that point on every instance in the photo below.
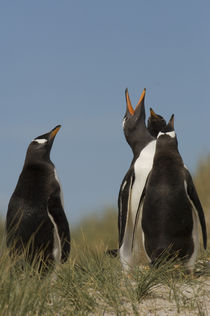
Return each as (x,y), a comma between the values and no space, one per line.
(167,134)
(155,124)
(41,146)
(134,119)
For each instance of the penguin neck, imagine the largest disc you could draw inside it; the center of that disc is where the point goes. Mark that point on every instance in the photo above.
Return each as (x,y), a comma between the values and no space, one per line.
(33,160)
(167,155)
(140,143)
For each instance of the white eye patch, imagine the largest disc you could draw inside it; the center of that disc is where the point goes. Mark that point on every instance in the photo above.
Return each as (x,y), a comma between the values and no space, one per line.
(171,134)
(40,141)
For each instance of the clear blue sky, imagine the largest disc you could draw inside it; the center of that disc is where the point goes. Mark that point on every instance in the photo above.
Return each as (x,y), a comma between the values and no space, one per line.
(69,62)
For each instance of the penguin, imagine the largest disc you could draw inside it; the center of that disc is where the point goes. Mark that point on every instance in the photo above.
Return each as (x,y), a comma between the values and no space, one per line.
(36,224)
(170,208)
(143,146)
(155,123)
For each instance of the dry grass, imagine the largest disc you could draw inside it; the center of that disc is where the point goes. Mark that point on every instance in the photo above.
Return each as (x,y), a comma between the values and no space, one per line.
(202,183)
(92,283)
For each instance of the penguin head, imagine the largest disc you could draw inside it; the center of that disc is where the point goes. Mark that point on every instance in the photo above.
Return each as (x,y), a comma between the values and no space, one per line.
(155,124)
(134,119)
(41,146)
(167,134)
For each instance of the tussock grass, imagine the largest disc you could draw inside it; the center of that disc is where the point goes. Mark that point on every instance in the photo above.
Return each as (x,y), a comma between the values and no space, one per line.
(92,283)
(97,230)
(202,183)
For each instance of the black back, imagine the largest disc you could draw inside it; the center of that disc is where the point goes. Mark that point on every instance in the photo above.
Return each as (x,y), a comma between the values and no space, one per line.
(167,219)
(37,193)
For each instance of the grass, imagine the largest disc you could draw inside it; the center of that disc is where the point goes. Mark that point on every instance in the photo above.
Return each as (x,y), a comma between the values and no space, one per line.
(91,283)
(202,183)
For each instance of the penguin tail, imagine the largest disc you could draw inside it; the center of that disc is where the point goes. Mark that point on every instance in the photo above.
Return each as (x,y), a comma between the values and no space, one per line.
(162,255)
(112,253)
(159,256)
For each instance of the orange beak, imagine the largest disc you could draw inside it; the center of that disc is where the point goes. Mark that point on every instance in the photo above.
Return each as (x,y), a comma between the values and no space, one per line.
(141,99)
(54,131)
(152,113)
(128,101)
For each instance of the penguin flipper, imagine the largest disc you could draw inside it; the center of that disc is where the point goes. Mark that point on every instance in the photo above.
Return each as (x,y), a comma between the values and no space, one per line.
(197,204)
(56,210)
(123,203)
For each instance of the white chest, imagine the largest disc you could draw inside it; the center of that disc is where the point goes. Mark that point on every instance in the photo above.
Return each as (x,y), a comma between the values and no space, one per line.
(142,167)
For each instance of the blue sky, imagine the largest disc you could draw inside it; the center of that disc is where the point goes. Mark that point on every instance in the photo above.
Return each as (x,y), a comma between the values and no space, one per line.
(69,62)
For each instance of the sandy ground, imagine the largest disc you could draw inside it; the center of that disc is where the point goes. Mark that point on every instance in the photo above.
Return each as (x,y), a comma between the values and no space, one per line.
(195,300)
(184,300)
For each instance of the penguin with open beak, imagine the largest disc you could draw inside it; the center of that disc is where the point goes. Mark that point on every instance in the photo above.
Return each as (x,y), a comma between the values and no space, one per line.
(143,146)
(134,127)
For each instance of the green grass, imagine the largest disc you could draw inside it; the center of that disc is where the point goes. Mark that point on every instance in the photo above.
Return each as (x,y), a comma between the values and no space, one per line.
(91,283)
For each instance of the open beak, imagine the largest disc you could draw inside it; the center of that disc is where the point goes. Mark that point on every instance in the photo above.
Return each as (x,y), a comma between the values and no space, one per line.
(128,101)
(141,100)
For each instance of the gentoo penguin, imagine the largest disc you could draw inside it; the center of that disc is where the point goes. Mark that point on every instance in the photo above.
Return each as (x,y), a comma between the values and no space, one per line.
(155,123)
(170,208)
(143,147)
(36,223)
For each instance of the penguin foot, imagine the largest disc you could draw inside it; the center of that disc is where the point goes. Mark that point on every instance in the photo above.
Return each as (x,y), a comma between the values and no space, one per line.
(112,252)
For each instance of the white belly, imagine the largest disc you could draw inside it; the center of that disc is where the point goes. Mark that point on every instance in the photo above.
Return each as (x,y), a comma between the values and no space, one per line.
(143,165)
(142,168)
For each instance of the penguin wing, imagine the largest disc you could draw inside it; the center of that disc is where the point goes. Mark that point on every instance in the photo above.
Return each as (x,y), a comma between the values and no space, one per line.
(123,202)
(192,194)
(56,210)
